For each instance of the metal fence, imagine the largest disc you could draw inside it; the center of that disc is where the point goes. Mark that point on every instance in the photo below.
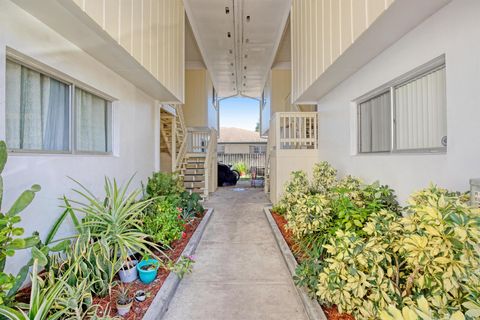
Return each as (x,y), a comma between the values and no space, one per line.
(250,159)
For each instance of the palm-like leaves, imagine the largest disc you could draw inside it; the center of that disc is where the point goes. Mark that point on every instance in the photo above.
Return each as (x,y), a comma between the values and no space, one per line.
(115,221)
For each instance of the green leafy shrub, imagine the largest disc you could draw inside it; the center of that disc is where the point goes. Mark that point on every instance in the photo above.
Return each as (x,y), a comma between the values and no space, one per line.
(324,177)
(165,224)
(358,249)
(241,167)
(164,184)
(296,187)
(190,205)
(10,234)
(432,252)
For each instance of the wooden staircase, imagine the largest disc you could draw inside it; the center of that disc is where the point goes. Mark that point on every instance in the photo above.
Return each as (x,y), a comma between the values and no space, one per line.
(194,173)
(193,152)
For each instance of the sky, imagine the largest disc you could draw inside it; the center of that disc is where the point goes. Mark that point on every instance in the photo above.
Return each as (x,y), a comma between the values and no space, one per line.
(241,113)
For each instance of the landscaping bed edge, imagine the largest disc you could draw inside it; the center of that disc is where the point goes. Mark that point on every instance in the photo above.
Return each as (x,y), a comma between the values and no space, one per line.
(312,308)
(160,303)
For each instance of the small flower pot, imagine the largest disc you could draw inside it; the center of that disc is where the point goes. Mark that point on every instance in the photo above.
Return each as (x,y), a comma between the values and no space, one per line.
(129,272)
(123,309)
(140,296)
(147,270)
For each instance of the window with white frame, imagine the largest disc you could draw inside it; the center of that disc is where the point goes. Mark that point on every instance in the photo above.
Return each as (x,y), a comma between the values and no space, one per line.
(40,118)
(37,110)
(93,122)
(406,115)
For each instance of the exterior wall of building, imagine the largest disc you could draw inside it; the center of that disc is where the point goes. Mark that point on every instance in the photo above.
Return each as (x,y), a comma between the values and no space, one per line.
(283,162)
(276,96)
(135,137)
(199,109)
(451,32)
(152,31)
(322,30)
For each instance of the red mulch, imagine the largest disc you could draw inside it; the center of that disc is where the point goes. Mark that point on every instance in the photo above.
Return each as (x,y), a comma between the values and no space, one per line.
(139,308)
(331,312)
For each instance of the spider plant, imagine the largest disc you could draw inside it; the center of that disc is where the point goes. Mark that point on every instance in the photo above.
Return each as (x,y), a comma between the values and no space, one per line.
(43,296)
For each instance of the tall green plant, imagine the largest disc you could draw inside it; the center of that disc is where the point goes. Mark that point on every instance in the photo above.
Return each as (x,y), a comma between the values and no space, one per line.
(10,233)
(110,231)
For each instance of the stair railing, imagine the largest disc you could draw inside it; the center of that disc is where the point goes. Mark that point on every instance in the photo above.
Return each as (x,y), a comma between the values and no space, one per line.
(181,136)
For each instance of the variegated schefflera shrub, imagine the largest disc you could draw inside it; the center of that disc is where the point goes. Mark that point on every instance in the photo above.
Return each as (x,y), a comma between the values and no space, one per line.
(360,251)
(431,253)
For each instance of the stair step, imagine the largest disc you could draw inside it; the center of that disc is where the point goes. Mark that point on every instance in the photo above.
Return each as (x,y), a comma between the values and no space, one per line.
(192,178)
(195,165)
(195,171)
(194,185)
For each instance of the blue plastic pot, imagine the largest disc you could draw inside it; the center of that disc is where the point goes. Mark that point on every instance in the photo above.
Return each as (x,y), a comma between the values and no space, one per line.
(147,276)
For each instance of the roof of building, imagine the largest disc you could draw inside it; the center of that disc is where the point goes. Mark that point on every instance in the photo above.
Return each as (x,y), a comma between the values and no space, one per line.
(232,135)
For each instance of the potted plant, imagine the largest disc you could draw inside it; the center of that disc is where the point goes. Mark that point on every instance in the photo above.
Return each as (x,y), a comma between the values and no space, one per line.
(128,272)
(124,301)
(140,295)
(147,270)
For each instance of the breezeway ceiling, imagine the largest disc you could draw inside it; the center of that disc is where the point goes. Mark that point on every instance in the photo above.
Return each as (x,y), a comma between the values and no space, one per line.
(238,40)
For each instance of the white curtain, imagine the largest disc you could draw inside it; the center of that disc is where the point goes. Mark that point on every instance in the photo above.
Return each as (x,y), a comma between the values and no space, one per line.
(375,124)
(93,122)
(37,110)
(421,121)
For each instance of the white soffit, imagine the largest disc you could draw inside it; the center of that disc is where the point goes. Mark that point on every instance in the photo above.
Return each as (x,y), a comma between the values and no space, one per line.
(66,18)
(238,40)
(401,17)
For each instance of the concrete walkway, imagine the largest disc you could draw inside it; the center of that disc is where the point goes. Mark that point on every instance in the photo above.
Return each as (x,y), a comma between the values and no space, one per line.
(239,273)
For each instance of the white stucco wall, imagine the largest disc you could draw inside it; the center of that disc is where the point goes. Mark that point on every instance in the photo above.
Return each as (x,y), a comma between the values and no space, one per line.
(453,31)
(135,135)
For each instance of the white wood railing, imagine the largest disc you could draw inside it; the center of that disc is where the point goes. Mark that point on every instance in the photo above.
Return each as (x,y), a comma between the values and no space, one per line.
(204,141)
(198,140)
(293,130)
(180,139)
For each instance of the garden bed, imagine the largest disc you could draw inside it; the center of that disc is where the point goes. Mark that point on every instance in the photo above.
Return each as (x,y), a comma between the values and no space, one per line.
(331,312)
(140,308)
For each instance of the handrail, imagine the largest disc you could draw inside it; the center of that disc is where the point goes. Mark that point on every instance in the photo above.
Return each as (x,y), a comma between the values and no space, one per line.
(180,132)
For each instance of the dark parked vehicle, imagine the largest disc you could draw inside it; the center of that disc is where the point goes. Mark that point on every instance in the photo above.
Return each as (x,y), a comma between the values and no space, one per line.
(227,176)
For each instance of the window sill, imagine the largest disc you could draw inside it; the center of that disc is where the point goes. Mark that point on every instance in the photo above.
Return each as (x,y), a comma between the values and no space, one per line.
(59,154)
